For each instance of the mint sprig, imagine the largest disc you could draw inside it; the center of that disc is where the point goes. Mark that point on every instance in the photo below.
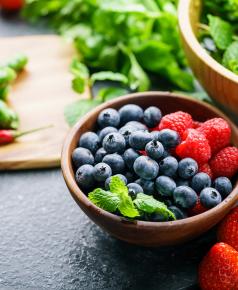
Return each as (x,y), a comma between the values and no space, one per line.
(119,199)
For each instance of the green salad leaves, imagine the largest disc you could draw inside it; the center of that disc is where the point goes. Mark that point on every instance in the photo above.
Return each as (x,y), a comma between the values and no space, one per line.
(119,199)
(219,31)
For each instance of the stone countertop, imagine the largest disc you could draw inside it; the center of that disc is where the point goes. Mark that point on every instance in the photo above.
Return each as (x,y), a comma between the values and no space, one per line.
(47,242)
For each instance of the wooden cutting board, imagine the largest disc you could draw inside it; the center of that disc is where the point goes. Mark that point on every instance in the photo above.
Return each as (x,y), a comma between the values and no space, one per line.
(39,96)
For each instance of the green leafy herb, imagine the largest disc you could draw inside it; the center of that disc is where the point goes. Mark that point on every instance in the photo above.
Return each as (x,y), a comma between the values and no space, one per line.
(106,200)
(74,111)
(149,204)
(230,57)
(221,31)
(118,199)
(112,38)
(109,93)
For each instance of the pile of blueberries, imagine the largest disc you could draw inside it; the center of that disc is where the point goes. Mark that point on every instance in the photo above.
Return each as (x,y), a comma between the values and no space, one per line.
(124,145)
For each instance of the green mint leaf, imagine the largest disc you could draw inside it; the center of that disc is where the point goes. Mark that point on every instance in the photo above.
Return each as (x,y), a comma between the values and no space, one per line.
(108,76)
(230,57)
(106,200)
(74,111)
(118,186)
(78,85)
(81,75)
(221,31)
(126,206)
(149,204)
(106,94)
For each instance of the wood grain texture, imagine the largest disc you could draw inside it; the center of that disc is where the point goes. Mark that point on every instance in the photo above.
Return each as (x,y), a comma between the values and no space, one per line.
(39,96)
(139,232)
(220,83)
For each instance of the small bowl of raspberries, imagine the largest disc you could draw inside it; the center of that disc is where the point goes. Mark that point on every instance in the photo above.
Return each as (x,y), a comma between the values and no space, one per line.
(153,168)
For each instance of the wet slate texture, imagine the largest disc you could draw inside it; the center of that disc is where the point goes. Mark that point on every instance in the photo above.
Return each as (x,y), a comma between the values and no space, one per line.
(46,241)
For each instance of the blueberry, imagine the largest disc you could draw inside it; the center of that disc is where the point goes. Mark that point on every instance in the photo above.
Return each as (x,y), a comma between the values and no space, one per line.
(108,117)
(139,139)
(102,171)
(114,142)
(167,201)
(169,138)
(168,166)
(108,180)
(185,197)
(165,185)
(85,176)
(137,125)
(106,131)
(155,135)
(130,112)
(146,168)
(147,185)
(129,156)
(90,141)
(166,153)
(154,149)
(179,213)
(130,176)
(200,181)
(99,155)
(134,189)
(223,185)
(187,168)
(157,217)
(116,162)
(210,197)
(126,132)
(81,156)
(152,116)
(180,182)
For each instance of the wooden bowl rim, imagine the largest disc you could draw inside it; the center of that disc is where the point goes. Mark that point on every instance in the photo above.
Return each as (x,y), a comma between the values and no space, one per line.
(192,41)
(81,198)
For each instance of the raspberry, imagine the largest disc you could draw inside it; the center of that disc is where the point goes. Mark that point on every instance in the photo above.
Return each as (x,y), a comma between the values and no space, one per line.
(225,162)
(197,209)
(196,124)
(195,146)
(206,169)
(178,121)
(217,132)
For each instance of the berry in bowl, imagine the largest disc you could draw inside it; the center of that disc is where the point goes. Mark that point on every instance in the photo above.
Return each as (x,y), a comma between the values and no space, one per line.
(154,168)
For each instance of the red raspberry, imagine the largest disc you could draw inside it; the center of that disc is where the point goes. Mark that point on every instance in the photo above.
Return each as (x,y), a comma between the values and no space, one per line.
(178,121)
(225,162)
(195,145)
(206,169)
(217,132)
(197,209)
(196,124)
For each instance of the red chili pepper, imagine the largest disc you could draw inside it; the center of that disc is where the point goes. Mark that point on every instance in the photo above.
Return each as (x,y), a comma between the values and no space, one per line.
(9,136)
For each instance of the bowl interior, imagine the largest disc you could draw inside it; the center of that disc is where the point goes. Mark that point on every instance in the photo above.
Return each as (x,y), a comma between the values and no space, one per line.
(168,103)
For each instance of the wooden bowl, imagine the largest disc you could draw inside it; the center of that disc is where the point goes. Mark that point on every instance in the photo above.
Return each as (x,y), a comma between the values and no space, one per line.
(140,232)
(220,83)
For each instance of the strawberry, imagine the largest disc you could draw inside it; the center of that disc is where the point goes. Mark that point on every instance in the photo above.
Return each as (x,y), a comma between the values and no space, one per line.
(206,169)
(194,145)
(218,133)
(228,229)
(225,162)
(178,121)
(219,268)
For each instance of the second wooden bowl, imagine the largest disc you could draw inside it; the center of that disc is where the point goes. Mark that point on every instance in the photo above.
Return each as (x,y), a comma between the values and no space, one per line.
(220,83)
(140,232)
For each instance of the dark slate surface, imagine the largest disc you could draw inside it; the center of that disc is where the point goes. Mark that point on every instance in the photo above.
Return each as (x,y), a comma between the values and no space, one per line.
(46,242)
